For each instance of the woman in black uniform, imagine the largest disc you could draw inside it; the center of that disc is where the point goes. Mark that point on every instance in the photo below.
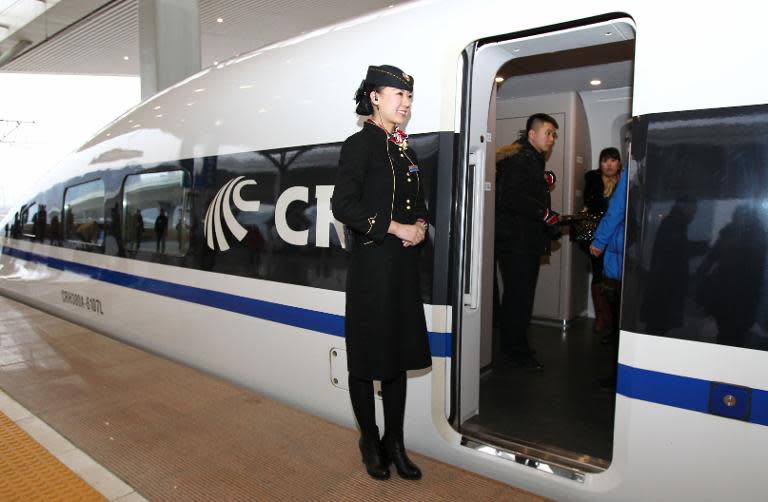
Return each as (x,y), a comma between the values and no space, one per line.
(378,195)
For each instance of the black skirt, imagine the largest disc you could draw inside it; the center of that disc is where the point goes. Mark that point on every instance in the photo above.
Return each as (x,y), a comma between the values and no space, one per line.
(385,329)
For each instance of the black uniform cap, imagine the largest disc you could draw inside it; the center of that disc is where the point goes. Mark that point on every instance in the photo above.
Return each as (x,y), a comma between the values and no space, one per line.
(389,76)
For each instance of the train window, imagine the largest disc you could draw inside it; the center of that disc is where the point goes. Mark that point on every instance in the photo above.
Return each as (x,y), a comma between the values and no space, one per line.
(697,227)
(84,213)
(156,212)
(28,217)
(34,219)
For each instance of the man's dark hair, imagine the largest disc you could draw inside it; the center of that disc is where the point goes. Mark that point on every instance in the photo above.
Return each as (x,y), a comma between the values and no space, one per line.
(537,119)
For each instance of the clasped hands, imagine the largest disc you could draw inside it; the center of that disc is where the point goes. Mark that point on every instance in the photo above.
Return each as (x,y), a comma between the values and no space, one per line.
(411,235)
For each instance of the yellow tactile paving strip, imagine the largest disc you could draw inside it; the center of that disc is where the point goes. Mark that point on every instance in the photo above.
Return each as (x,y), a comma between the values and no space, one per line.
(29,472)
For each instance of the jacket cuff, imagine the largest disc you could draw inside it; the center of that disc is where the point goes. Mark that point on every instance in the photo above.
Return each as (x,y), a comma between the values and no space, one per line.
(599,244)
(378,227)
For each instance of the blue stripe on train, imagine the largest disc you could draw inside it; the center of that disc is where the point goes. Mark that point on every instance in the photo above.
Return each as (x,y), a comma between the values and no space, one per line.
(331,324)
(681,392)
(652,386)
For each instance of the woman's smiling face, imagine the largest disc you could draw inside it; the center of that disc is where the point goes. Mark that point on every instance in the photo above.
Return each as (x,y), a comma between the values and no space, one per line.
(392,106)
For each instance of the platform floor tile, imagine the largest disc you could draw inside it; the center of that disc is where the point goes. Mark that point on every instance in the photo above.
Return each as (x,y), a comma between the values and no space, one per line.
(175,433)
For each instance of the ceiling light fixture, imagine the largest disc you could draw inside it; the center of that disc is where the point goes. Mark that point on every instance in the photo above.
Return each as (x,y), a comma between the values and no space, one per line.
(219,20)
(126,58)
(499,79)
(595,82)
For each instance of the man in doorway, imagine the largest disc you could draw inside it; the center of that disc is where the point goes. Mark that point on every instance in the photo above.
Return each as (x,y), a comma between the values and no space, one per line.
(525,227)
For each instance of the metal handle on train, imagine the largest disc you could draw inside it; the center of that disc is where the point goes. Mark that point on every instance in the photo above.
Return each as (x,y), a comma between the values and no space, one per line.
(475,209)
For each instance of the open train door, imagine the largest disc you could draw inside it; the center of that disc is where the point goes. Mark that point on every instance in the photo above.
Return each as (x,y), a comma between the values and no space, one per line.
(488,121)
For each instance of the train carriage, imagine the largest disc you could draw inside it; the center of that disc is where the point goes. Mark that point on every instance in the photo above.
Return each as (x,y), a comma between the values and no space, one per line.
(248,284)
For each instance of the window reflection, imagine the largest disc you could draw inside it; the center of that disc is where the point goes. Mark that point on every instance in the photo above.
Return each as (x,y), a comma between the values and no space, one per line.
(156,213)
(84,213)
(28,219)
(697,227)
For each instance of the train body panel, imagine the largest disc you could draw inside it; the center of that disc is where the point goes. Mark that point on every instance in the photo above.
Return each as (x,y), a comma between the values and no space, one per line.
(271,320)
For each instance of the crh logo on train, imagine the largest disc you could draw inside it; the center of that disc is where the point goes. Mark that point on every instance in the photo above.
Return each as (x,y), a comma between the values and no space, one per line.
(220,215)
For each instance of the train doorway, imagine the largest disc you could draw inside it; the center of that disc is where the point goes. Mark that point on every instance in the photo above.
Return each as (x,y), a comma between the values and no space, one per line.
(559,411)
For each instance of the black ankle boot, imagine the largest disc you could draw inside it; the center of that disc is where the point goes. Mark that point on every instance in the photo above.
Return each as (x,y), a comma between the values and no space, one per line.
(373,457)
(395,451)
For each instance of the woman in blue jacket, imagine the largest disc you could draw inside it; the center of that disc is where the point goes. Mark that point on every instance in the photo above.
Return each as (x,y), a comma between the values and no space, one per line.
(609,241)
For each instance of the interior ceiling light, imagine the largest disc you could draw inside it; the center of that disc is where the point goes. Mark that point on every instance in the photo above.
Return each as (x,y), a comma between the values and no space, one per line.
(499,79)
(219,20)
(126,58)
(595,82)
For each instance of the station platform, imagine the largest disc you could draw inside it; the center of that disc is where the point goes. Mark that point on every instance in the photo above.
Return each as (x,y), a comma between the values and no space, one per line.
(170,432)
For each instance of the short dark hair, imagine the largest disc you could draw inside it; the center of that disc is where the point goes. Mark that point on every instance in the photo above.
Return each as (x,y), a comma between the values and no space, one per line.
(610,153)
(537,119)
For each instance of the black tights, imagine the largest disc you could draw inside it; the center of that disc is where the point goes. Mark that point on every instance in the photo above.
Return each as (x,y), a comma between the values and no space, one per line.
(393,395)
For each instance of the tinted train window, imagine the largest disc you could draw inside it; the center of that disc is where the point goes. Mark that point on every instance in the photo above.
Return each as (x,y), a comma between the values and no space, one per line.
(293,187)
(697,227)
(84,213)
(28,217)
(156,212)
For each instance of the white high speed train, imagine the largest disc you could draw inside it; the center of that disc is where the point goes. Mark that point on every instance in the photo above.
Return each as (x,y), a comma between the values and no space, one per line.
(240,159)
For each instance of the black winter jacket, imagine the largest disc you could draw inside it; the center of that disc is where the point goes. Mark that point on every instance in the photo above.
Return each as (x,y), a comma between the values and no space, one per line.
(522,198)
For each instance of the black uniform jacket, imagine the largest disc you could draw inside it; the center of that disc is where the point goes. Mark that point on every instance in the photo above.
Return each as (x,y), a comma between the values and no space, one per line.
(522,198)
(378,182)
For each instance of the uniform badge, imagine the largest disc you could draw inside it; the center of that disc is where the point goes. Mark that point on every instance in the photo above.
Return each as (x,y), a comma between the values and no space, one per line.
(413,168)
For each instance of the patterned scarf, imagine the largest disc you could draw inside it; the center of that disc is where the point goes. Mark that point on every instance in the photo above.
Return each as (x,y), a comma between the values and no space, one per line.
(398,137)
